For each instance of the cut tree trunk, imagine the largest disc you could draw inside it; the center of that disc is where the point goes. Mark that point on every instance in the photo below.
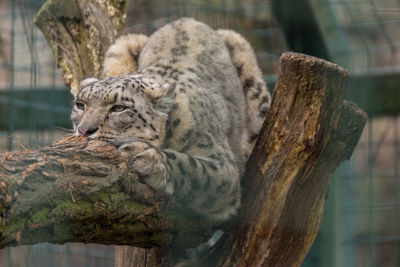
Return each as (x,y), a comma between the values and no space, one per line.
(80,190)
(79,33)
(307,133)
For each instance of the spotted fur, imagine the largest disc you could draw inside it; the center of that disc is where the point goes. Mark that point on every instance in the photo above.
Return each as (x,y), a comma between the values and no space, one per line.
(184,111)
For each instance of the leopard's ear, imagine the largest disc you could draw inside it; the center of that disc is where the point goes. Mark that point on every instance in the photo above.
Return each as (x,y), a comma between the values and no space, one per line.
(85,82)
(155,90)
(159,94)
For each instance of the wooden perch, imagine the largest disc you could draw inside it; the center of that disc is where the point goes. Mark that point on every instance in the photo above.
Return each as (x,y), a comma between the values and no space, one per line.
(81,190)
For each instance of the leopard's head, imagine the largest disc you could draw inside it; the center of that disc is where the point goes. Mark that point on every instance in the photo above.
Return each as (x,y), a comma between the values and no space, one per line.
(122,109)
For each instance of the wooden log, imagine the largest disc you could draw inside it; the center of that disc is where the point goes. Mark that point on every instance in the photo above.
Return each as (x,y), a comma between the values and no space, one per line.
(82,190)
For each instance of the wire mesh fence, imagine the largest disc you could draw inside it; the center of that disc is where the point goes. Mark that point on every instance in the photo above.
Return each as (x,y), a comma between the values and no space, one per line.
(361,225)
(361,219)
(365,33)
(34,111)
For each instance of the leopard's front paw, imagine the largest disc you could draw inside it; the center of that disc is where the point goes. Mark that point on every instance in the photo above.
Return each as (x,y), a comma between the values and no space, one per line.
(129,150)
(147,162)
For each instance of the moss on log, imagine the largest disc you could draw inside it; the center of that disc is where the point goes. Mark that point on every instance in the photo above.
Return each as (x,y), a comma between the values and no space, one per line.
(82,190)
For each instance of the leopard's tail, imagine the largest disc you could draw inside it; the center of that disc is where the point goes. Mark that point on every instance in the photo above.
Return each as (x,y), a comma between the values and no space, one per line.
(258,98)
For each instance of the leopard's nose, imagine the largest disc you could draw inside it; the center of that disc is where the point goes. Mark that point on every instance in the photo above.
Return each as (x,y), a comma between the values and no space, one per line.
(87,131)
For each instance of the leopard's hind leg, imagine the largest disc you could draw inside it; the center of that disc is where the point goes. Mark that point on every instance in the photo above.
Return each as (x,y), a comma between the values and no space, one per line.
(258,99)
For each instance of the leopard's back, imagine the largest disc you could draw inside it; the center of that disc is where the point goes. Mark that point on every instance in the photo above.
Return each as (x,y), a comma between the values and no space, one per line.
(208,92)
(212,110)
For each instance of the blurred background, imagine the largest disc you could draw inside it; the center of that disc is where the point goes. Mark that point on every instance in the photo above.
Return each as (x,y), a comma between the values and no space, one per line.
(361,225)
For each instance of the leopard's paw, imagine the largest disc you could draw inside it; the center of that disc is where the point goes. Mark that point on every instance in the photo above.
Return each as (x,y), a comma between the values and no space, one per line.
(147,163)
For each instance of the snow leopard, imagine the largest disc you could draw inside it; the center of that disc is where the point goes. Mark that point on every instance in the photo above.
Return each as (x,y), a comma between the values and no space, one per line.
(184,107)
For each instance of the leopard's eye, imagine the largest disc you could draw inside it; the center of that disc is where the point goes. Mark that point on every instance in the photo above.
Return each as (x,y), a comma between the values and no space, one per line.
(80,105)
(117,108)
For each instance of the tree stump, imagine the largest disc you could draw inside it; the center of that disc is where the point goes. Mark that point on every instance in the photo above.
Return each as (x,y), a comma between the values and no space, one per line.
(79,33)
(308,131)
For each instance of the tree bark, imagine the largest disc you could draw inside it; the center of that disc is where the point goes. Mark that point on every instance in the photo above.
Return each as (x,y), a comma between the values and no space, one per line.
(308,131)
(82,190)
(90,195)
(79,33)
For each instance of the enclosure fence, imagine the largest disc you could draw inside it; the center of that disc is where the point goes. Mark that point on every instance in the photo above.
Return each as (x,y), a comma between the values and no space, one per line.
(362,215)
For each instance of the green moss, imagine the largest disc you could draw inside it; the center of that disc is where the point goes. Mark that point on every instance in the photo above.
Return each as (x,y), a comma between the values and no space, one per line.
(33,236)
(66,208)
(135,207)
(39,215)
(62,232)
(110,196)
(16,223)
(109,215)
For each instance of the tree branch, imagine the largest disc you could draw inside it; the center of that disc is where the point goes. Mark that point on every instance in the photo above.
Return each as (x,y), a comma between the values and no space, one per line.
(81,190)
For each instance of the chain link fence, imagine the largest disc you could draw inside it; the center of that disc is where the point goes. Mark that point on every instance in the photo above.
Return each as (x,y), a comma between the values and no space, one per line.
(362,215)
